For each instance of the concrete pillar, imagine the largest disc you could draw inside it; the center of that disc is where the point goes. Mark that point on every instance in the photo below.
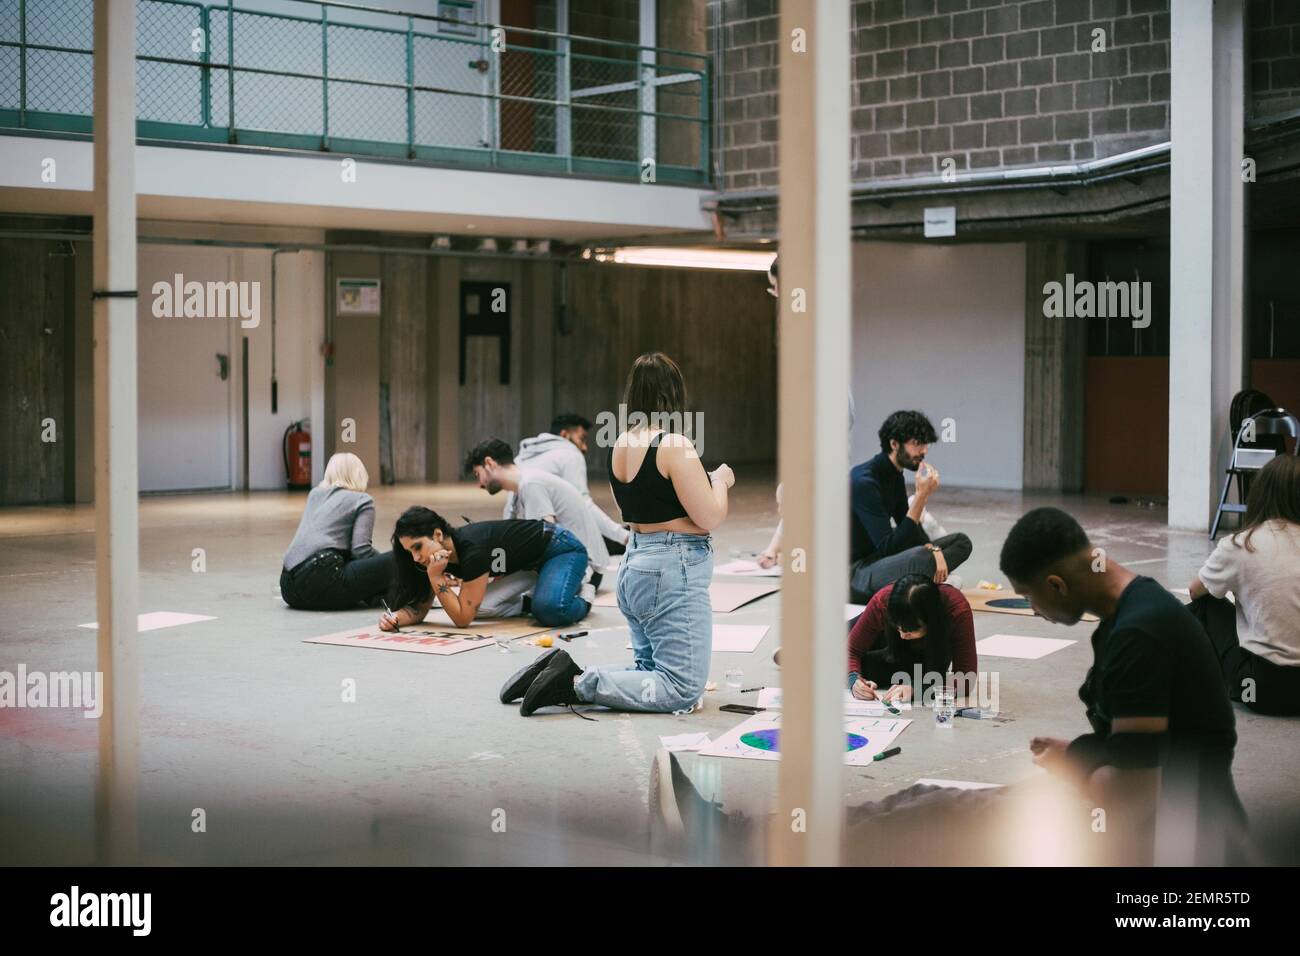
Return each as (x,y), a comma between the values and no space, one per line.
(1206,333)
(117,482)
(444,357)
(1055,356)
(813,420)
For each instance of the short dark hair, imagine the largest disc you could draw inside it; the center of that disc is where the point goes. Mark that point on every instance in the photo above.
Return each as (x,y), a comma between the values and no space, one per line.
(565,421)
(903,427)
(1038,540)
(493,448)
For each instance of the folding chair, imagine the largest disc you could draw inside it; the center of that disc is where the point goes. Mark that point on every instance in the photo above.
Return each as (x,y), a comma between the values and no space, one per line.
(1261,437)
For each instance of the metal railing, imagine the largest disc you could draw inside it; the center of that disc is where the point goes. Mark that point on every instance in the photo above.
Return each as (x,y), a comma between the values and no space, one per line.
(359,81)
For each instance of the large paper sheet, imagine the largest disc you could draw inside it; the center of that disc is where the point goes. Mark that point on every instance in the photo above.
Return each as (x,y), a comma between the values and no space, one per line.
(418,639)
(759,738)
(155,620)
(738,638)
(502,627)
(769,698)
(1020,646)
(1003,602)
(748,568)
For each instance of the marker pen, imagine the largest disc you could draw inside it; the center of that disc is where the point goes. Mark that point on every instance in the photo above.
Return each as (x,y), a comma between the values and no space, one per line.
(888,753)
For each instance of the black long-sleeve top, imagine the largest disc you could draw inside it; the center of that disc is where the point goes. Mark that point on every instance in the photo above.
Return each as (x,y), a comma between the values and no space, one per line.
(878,494)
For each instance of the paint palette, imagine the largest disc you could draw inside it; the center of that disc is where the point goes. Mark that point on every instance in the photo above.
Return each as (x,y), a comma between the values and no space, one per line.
(770,739)
(759,738)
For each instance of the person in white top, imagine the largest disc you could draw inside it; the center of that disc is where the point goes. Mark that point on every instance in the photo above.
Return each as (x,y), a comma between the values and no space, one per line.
(562,452)
(541,495)
(1258,640)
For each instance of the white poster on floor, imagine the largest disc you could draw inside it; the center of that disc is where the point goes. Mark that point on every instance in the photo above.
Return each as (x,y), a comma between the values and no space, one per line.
(759,738)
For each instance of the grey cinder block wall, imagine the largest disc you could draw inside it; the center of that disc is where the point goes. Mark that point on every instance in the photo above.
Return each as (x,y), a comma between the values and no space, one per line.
(987,83)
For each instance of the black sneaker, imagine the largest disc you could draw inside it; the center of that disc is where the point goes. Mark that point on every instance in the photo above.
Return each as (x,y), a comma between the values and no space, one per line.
(515,687)
(553,687)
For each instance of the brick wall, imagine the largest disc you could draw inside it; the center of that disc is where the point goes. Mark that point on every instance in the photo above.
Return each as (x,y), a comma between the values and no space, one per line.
(986,83)
(1274,42)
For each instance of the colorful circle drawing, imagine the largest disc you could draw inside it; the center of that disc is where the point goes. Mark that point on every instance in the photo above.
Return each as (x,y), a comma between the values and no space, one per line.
(769,739)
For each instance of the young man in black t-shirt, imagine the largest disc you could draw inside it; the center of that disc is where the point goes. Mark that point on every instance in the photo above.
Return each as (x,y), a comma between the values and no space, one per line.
(1159,759)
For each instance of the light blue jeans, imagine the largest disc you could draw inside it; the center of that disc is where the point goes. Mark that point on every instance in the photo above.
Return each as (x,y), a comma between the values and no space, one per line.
(663,591)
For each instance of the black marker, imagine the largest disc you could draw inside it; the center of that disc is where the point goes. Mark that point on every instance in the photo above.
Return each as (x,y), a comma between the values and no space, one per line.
(888,753)
(750,690)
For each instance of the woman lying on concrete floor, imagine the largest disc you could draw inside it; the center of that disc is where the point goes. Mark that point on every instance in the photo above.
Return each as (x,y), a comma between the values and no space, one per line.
(909,625)
(1258,641)
(671,503)
(331,564)
(433,559)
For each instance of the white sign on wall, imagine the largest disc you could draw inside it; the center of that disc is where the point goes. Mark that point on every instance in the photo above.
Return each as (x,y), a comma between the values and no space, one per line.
(940,221)
(358,297)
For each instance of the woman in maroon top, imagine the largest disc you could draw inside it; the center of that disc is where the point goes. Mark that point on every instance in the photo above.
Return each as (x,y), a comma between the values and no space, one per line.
(912,621)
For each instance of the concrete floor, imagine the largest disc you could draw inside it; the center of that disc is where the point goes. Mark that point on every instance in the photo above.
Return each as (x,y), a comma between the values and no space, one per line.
(240,718)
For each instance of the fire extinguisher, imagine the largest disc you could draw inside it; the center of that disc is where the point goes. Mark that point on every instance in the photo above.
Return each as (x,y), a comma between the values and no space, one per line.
(296,446)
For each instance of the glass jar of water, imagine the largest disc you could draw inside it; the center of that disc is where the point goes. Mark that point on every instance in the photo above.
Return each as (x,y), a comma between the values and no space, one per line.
(945,707)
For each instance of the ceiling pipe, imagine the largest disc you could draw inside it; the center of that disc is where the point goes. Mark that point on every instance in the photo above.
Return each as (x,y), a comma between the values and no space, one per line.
(1148,159)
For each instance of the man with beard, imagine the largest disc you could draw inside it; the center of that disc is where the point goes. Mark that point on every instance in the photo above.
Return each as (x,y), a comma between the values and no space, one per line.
(886,539)
(541,495)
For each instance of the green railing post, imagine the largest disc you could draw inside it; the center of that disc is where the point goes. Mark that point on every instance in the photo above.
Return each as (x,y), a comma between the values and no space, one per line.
(205,75)
(564,130)
(22,62)
(325,75)
(230,69)
(642,133)
(410,88)
(706,126)
(494,98)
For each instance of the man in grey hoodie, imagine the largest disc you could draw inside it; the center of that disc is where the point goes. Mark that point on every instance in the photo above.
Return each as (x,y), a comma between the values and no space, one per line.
(562,452)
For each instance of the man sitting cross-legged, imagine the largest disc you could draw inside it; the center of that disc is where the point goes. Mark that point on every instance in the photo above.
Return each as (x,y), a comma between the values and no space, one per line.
(886,538)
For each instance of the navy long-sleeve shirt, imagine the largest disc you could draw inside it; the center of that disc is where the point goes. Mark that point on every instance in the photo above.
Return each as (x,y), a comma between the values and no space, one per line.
(878,496)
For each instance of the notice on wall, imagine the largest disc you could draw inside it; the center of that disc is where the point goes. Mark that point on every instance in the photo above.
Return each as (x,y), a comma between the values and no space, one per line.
(940,221)
(358,297)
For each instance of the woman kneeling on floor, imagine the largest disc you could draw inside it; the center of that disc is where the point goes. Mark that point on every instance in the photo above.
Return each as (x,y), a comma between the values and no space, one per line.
(433,559)
(671,503)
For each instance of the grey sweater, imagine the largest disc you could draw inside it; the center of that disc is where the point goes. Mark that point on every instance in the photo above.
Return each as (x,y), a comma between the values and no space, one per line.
(334,518)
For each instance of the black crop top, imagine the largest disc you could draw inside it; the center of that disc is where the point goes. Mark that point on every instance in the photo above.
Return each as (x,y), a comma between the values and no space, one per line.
(649,497)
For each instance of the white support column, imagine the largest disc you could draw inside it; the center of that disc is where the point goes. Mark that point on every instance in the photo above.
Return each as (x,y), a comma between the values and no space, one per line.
(647,74)
(1206,325)
(814,388)
(116,467)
